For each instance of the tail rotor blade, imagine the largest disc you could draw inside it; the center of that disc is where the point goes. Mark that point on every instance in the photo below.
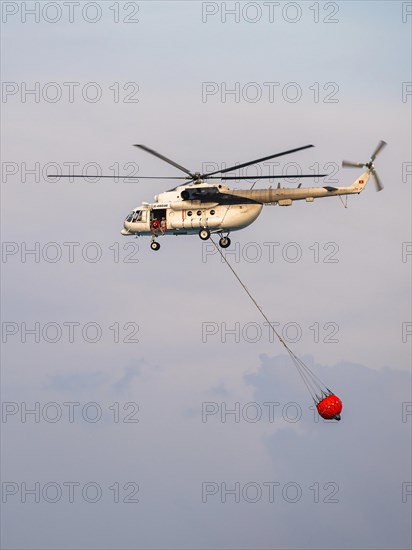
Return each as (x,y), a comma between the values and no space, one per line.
(378,182)
(350,164)
(378,149)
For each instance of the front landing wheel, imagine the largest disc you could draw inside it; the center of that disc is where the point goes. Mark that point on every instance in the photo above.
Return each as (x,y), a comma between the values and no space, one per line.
(154,245)
(204,234)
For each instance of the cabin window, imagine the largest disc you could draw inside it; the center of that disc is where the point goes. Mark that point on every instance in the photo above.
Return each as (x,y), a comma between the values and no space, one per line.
(199,212)
(212,212)
(189,213)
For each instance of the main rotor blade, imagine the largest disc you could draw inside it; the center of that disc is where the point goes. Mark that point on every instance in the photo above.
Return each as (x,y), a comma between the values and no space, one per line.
(350,164)
(162,157)
(255,161)
(378,182)
(119,176)
(379,147)
(290,176)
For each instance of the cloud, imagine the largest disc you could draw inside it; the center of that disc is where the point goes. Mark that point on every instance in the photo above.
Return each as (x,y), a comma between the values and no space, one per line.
(124,383)
(77,382)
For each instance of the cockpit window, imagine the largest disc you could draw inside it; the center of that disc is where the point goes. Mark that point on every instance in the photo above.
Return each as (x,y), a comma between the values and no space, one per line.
(134,216)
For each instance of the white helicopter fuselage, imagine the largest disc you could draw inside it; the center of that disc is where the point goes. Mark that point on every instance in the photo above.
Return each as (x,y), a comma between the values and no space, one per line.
(185,217)
(181,216)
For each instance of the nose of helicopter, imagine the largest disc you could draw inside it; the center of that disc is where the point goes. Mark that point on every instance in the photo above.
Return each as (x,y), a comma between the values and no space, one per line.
(125,230)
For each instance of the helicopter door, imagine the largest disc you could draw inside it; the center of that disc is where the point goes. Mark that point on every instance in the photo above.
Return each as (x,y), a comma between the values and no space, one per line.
(158,214)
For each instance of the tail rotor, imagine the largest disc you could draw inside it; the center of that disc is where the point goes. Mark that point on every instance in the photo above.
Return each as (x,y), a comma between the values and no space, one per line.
(369,165)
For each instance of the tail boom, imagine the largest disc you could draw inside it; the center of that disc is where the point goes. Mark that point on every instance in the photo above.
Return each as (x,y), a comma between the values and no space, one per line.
(274,196)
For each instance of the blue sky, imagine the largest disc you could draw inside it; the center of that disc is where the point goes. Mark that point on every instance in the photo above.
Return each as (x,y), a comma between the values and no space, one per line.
(163,300)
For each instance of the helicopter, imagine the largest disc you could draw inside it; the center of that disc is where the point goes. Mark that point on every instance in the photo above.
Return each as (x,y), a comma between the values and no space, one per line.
(199,207)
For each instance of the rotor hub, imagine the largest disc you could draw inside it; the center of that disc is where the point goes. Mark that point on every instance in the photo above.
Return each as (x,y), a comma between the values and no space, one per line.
(197,177)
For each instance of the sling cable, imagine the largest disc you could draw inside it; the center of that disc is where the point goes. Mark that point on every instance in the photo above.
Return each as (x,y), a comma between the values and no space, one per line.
(328,405)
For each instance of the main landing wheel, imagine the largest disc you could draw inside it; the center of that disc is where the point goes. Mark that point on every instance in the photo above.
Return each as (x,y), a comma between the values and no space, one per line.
(224,242)
(204,234)
(154,245)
